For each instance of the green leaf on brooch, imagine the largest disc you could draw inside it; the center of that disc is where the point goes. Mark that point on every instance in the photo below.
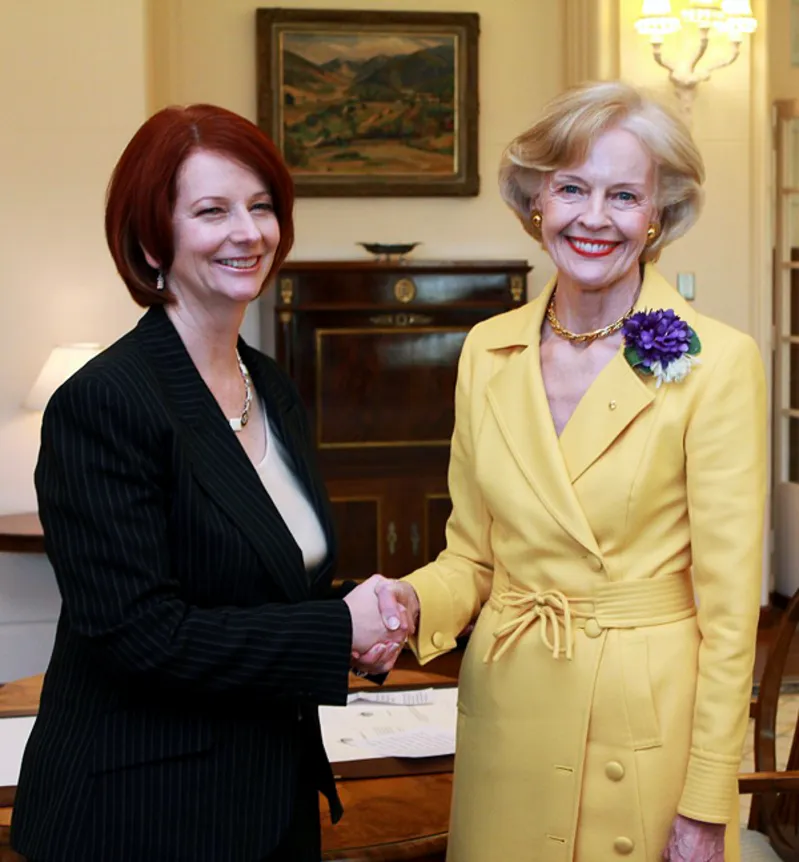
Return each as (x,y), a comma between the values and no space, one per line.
(694,345)
(635,359)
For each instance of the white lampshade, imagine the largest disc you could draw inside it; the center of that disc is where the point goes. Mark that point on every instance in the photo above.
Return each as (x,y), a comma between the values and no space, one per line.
(656,20)
(740,19)
(61,364)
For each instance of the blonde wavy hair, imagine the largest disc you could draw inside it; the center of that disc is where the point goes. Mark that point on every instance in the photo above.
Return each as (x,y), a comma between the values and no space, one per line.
(567,129)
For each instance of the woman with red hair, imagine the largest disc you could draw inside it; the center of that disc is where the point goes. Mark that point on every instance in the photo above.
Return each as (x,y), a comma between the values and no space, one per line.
(192,541)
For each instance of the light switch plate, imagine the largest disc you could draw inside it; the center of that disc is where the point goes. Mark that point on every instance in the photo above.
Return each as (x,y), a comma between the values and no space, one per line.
(686,285)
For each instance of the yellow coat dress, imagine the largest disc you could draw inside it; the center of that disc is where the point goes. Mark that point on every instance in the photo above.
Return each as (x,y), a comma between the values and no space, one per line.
(615,576)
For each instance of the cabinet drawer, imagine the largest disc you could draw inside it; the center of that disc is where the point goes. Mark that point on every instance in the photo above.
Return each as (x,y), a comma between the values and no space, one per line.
(312,290)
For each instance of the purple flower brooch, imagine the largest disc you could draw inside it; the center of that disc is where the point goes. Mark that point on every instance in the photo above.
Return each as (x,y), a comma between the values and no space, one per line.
(660,344)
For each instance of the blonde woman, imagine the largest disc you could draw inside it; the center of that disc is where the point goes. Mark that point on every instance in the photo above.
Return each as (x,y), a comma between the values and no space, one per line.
(607,466)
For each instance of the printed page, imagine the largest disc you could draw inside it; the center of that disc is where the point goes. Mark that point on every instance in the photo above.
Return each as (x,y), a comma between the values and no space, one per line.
(366,731)
(396,698)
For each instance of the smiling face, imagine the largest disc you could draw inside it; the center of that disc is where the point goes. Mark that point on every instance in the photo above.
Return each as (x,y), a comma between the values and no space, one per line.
(225,232)
(595,215)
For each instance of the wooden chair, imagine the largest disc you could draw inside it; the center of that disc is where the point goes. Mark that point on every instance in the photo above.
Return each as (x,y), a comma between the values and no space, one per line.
(773,829)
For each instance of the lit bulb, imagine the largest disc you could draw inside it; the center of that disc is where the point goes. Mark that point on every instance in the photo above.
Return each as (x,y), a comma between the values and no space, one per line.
(740,19)
(656,20)
(704,13)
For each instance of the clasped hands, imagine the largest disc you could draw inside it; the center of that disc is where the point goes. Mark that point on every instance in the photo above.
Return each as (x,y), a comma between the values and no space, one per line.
(384,614)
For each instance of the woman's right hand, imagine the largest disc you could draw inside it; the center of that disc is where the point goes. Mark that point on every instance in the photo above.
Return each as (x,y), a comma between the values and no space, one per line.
(375,623)
(396,599)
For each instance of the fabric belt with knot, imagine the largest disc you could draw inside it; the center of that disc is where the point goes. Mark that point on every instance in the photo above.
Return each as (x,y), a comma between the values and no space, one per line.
(617,604)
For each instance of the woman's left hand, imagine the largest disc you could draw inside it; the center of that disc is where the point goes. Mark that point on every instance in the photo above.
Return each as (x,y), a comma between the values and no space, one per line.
(378,660)
(694,841)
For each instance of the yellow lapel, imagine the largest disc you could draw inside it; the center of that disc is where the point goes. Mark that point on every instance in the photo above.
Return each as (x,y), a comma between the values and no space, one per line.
(518,400)
(619,394)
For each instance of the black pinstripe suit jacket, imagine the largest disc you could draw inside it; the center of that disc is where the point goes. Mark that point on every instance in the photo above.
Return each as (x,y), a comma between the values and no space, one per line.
(192,646)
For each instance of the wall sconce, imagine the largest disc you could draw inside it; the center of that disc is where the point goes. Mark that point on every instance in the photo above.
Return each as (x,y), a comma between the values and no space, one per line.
(732,18)
(61,364)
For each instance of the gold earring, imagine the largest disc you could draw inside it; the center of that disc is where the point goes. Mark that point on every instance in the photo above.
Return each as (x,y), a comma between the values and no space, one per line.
(536,220)
(651,233)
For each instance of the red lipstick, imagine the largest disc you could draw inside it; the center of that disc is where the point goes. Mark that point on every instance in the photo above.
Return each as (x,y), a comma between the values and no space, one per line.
(591,247)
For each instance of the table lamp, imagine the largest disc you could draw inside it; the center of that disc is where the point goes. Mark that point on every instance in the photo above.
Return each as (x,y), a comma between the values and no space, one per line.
(61,364)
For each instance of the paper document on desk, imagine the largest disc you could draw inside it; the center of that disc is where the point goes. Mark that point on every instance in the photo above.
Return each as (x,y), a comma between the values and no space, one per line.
(14,733)
(417,697)
(423,742)
(366,731)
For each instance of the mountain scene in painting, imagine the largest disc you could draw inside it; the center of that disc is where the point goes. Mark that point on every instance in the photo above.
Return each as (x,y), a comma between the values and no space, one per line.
(365,103)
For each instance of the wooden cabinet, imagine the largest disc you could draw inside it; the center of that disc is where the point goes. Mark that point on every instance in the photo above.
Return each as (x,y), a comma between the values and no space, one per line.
(373,348)
(388,525)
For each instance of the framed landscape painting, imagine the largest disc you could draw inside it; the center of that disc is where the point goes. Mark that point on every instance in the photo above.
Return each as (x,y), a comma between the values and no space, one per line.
(371,103)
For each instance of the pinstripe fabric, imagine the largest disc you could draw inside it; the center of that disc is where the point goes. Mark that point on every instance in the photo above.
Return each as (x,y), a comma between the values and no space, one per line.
(192,647)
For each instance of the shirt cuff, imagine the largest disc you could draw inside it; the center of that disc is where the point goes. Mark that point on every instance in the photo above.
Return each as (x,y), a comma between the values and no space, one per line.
(711,787)
(434,633)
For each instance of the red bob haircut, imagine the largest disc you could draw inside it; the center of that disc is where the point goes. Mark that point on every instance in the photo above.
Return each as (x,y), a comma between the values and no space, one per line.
(143,188)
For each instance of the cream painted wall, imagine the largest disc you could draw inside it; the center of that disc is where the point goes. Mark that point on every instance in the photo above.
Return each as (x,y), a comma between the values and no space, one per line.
(212,46)
(591,40)
(72,90)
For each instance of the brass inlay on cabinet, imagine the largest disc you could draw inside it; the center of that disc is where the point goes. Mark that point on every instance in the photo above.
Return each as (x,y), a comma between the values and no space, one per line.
(516,287)
(286,291)
(404,290)
(401,319)
(391,538)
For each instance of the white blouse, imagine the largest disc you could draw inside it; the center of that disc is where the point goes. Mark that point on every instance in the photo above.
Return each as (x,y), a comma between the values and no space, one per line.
(289,497)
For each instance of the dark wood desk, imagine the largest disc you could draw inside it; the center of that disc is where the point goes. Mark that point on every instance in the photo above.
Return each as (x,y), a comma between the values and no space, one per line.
(399,819)
(21,534)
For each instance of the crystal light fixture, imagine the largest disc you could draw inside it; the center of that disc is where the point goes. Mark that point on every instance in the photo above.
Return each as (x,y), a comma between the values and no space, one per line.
(732,19)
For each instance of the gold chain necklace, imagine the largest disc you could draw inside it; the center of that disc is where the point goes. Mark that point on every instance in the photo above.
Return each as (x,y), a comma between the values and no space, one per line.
(583,337)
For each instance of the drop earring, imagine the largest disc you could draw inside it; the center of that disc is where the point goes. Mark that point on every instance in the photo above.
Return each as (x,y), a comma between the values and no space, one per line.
(159,282)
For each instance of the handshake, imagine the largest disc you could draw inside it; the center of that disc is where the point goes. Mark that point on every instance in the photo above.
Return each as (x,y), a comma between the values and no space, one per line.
(384,614)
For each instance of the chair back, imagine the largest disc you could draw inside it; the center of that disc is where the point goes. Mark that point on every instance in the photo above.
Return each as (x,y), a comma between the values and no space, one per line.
(775,813)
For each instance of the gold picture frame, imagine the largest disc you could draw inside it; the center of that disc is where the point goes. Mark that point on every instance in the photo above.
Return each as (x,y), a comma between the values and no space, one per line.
(371,103)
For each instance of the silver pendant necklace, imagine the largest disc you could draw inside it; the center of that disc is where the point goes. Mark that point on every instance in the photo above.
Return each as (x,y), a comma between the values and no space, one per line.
(240,421)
